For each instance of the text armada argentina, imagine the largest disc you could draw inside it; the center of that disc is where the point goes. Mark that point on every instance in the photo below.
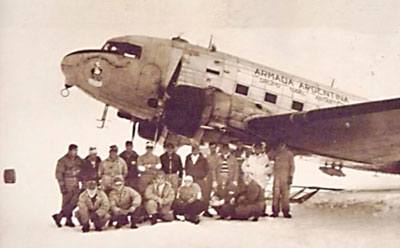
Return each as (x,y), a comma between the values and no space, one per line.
(302,88)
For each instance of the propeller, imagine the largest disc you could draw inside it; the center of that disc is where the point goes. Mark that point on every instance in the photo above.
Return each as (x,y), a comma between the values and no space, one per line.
(162,97)
(133,130)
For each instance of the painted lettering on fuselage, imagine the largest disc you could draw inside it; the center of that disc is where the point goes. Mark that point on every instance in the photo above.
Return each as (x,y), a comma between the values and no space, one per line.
(302,88)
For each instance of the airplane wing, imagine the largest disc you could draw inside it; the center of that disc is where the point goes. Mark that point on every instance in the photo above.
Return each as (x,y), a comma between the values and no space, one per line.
(365,132)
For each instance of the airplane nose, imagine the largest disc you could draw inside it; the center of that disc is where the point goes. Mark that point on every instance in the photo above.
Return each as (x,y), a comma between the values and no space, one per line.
(69,66)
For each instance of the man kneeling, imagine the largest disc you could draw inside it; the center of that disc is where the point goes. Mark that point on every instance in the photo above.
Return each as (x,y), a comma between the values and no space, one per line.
(188,201)
(159,197)
(125,202)
(249,200)
(93,205)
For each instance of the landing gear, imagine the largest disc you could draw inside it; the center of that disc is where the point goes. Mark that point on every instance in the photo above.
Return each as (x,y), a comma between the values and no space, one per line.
(65,92)
(103,117)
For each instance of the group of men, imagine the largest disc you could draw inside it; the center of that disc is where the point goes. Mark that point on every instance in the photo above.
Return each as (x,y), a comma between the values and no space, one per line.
(127,188)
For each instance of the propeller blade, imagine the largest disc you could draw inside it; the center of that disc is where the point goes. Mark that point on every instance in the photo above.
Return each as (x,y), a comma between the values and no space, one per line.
(134,130)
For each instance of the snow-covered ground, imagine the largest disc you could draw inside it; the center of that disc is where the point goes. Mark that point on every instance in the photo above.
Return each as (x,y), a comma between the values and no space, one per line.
(329,219)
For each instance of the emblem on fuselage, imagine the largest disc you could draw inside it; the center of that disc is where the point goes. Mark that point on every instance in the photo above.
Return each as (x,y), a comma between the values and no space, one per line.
(96,78)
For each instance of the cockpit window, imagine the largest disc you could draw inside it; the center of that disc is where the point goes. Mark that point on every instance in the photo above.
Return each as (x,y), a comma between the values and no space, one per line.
(123,48)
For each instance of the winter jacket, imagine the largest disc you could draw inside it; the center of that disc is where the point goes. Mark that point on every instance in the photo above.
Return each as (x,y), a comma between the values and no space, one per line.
(249,194)
(284,164)
(99,204)
(90,170)
(67,172)
(186,193)
(171,164)
(214,160)
(257,166)
(229,169)
(109,169)
(124,199)
(199,170)
(151,162)
(131,162)
(167,195)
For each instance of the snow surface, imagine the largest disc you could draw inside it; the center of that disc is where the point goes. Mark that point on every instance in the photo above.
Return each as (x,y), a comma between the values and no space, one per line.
(329,219)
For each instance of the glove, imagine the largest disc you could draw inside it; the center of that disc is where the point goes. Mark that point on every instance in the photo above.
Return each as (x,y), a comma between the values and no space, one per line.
(214,184)
(290,181)
(141,168)
(235,183)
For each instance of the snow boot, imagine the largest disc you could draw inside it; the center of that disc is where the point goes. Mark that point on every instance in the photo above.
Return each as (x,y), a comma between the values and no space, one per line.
(69,222)
(153,219)
(57,219)
(287,216)
(85,227)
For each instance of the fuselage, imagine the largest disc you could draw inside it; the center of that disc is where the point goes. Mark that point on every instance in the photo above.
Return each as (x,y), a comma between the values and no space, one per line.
(195,92)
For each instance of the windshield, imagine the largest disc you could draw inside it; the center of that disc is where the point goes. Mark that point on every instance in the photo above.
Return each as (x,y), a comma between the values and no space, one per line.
(126,49)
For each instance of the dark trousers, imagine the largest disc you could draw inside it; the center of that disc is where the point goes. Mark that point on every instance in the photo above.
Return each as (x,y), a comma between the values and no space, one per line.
(135,216)
(191,209)
(69,202)
(205,186)
(86,216)
(226,210)
(280,196)
(245,211)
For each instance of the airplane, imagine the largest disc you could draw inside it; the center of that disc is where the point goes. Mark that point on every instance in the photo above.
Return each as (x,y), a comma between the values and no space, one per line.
(179,92)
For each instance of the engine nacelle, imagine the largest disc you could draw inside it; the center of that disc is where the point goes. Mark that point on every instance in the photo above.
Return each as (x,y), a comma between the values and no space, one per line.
(209,114)
(147,130)
(184,109)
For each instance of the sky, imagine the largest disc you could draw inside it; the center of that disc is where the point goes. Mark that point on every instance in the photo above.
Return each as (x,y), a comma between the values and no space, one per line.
(354,42)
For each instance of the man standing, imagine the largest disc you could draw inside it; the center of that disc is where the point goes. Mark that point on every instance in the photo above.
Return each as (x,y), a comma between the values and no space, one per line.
(227,172)
(125,202)
(214,160)
(197,167)
(67,171)
(148,165)
(110,168)
(283,177)
(159,197)
(172,166)
(258,167)
(188,201)
(241,153)
(93,206)
(130,157)
(91,165)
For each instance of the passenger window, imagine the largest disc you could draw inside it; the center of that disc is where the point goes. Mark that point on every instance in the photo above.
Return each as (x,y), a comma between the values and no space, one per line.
(242,90)
(297,106)
(270,97)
